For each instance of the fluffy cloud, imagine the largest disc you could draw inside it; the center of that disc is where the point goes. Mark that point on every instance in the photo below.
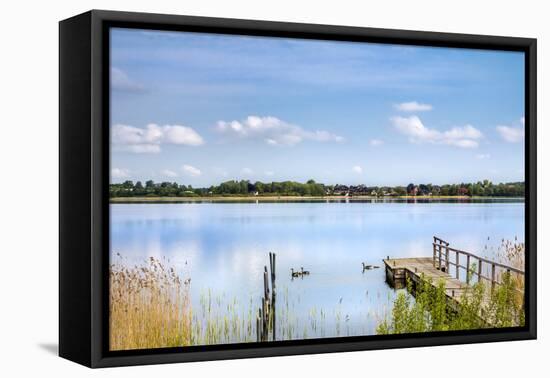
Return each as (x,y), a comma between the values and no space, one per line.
(119,173)
(121,82)
(191,171)
(376,142)
(269,173)
(274,131)
(463,137)
(357,169)
(413,106)
(512,134)
(149,139)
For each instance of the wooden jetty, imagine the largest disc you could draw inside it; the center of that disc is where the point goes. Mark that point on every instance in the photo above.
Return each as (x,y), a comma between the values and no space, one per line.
(446,265)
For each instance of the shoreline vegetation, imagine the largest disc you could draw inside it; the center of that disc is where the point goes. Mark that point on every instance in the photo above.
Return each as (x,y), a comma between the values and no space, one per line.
(150,307)
(244,190)
(154,199)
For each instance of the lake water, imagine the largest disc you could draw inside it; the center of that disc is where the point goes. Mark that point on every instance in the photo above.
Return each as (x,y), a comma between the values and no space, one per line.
(223,247)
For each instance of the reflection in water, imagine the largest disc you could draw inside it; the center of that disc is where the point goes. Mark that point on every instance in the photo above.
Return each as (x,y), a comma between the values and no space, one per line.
(223,247)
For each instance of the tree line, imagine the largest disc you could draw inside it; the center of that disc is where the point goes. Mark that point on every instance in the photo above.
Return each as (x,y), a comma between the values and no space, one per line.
(311,188)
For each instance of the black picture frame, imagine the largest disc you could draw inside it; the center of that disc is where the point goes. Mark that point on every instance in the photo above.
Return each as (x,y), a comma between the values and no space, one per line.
(84,177)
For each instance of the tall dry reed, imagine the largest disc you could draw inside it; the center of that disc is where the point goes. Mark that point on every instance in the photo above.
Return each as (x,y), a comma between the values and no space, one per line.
(149,307)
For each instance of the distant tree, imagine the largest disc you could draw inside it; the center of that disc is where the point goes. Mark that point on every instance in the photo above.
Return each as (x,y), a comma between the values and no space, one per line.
(423,189)
(400,191)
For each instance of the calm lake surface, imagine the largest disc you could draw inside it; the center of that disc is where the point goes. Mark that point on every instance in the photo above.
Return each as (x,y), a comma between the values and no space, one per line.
(223,248)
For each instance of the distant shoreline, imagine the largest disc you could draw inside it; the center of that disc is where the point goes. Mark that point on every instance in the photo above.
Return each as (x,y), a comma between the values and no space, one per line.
(293,198)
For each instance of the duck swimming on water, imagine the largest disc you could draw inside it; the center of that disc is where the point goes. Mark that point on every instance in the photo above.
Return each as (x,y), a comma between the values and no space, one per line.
(294,274)
(304,272)
(366,267)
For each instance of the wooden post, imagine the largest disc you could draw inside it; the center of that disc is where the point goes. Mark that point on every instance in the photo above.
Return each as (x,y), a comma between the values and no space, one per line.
(273,295)
(434,252)
(265,319)
(447,259)
(492,276)
(266,285)
(439,247)
(467,269)
(479,271)
(457,264)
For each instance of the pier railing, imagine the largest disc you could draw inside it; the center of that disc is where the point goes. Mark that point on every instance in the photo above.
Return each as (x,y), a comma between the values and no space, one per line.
(445,256)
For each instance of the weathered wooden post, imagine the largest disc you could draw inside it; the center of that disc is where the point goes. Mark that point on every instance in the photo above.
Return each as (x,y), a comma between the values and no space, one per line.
(493,276)
(479,271)
(266,313)
(434,251)
(273,295)
(447,258)
(266,307)
(467,269)
(440,252)
(457,265)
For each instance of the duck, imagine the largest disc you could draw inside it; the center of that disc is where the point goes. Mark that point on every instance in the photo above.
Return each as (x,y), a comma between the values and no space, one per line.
(294,274)
(304,272)
(366,267)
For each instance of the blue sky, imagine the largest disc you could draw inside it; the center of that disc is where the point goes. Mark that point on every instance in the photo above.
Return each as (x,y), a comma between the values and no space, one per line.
(200,109)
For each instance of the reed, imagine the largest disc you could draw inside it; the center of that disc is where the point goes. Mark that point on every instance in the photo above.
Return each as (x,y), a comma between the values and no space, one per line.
(149,307)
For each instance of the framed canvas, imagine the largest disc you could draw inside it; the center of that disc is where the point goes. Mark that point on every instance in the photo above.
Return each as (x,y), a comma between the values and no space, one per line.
(236,188)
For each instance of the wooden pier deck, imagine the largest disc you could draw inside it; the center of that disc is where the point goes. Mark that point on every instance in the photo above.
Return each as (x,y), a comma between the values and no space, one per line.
(399,270)
(441,267)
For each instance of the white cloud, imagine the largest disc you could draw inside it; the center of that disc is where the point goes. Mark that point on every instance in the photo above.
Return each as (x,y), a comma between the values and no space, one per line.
(168,173)
(189,170)
(413,106)
(463,137)
(512,134)
(121,82)
(357,169)
(376,142)
(269,173)
(119,173)
(149,139)
(483,156)
(274,131)
(140,148)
